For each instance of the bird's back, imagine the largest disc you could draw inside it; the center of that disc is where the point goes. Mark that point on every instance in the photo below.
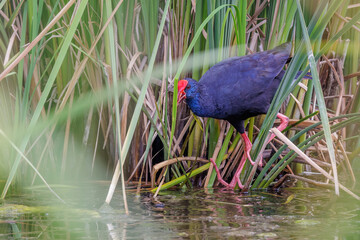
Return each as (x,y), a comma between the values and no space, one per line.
(242,87)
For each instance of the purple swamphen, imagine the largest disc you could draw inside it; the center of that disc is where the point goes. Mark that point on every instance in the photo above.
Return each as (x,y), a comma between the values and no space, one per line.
(236,89)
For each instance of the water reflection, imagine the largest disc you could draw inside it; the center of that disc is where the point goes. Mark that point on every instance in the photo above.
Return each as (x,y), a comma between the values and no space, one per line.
(195,214)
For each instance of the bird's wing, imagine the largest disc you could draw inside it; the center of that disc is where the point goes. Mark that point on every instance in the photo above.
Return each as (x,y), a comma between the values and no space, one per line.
(239,83)
(255,68)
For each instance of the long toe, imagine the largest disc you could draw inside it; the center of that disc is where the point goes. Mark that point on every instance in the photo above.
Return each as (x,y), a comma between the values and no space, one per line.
(241,186)
(261,162)
(249,157)
(236,178)
(219,178)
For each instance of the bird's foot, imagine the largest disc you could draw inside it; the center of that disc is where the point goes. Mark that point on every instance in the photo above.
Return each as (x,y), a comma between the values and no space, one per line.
(284,121)
(248,147)
(236,178)
(230,185)
(261,163)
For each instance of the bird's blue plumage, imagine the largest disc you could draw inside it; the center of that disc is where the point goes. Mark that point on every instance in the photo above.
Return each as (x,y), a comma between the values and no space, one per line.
(239,87)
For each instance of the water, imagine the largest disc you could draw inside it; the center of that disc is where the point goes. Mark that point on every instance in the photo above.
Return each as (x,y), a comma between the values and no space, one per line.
(193,214)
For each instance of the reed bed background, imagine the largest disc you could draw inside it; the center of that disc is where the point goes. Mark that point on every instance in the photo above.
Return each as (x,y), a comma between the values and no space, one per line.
(88,91)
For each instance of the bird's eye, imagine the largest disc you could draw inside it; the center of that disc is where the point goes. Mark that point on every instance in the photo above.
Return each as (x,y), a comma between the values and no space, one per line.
(188,87)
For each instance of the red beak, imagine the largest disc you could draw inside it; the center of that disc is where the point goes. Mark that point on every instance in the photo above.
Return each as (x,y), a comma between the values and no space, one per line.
(181,90)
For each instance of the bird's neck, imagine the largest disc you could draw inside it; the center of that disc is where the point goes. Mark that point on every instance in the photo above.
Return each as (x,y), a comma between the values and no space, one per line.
(197,103)
(195,106)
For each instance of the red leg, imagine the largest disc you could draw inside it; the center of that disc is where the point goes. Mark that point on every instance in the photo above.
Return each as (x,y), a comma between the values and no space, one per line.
(248,146)
(219,178)
(236,179)
(284,121)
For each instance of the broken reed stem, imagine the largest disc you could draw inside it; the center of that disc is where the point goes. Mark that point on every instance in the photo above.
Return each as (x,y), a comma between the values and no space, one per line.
(168,162)
(303,179)
(309,160)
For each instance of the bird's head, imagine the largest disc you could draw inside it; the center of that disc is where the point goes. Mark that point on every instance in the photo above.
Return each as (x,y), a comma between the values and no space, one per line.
(186,88)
